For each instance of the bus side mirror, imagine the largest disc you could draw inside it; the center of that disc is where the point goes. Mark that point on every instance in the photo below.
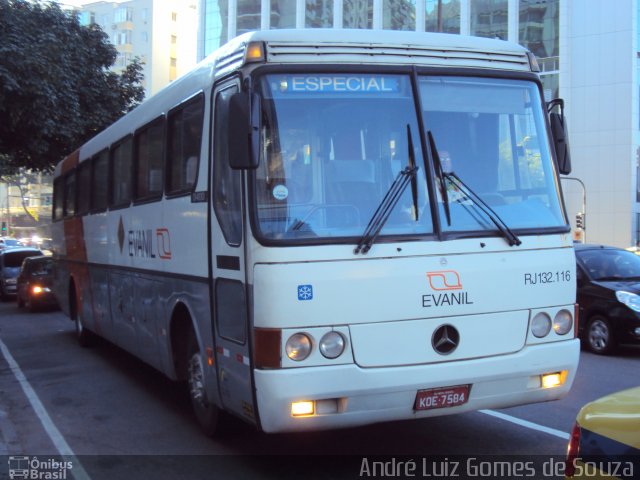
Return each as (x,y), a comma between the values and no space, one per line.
(243,138)
(559,134)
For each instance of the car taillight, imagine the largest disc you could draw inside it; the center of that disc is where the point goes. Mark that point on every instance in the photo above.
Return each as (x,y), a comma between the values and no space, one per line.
(573,450)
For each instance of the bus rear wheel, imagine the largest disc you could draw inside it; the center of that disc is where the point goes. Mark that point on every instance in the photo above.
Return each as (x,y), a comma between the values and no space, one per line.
(84,336)
(207,414)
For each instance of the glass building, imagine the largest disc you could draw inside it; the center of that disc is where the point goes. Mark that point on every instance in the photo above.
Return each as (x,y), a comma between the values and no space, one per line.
(588,52)
(532,23)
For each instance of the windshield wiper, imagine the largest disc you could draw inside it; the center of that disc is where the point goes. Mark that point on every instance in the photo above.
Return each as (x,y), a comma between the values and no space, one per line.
(390,200)
(441,176)
(468,192)
(512,238)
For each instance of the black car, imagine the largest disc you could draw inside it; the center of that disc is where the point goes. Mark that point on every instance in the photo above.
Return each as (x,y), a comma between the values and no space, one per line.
(10,263)
(608,280)
(35,283)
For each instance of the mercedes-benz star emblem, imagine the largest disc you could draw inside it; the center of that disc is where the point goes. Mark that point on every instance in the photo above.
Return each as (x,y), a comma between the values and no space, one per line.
(445,339)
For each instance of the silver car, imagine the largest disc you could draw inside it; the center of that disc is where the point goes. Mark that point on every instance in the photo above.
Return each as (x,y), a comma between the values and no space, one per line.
(10,262)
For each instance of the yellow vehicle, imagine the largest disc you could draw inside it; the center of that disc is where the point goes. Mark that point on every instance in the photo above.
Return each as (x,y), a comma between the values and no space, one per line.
(605,441)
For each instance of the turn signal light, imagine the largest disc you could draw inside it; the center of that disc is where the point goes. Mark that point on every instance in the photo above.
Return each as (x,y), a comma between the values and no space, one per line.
(254,52)
(266,347)
(573,450)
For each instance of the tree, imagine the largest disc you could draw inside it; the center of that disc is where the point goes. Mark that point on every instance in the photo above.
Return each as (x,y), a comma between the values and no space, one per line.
(56,91)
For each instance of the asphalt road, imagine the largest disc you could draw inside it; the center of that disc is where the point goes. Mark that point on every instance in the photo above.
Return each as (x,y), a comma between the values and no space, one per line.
(112,416)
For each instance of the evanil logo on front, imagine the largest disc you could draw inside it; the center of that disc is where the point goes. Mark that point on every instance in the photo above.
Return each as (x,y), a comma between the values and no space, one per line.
(447,290)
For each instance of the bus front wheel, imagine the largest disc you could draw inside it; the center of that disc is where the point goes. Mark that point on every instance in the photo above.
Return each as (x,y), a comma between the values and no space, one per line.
(207,413)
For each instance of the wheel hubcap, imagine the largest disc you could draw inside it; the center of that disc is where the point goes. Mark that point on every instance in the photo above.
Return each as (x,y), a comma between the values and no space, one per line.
(599,335)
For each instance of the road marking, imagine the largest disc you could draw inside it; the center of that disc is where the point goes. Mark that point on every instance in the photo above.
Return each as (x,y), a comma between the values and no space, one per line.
(78,472)
(527,424)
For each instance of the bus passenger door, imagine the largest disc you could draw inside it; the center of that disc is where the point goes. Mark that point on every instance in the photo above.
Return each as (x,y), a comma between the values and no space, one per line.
(229,292)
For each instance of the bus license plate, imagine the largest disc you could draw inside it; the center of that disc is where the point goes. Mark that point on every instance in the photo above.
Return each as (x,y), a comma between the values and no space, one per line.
(441,397)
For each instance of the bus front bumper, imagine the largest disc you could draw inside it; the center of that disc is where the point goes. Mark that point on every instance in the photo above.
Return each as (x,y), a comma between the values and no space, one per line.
(348,395)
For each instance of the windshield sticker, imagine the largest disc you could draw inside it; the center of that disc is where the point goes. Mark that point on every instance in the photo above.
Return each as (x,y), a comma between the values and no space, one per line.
(447,288)
(305,292)
(280,192)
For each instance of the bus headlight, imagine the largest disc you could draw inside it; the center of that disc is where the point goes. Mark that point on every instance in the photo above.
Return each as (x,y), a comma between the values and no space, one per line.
(332,345)
(298,347)
(562,322)
(541,325)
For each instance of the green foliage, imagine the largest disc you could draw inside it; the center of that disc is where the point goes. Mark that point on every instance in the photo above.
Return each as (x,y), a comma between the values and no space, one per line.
(56,91)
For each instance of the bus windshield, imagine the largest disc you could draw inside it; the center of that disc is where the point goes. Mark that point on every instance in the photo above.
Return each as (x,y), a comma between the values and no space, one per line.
(491,134)
(332,145)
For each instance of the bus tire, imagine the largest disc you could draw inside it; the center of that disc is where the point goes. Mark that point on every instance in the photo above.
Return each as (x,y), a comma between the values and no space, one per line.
(85,337)
(207,414)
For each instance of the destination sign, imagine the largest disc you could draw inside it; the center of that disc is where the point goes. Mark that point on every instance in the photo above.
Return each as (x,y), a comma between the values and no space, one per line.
(336,84)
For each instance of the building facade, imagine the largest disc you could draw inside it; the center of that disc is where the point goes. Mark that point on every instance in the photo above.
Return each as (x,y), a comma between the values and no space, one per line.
(161,33)
(588,52)
(25,204)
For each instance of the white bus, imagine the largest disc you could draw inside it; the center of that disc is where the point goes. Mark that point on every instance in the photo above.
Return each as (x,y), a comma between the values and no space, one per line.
(320,229)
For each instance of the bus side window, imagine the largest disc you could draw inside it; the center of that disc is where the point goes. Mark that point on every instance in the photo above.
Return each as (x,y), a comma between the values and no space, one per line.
(122,173)
(84,186)
(100,181)
(70,194)
(149,162)
(58,199)
(184,137)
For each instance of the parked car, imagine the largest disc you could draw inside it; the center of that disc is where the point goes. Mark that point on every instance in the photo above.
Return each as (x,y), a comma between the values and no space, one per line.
(604,440)
(10,263)
(34,287)
(6,242)
(608,282)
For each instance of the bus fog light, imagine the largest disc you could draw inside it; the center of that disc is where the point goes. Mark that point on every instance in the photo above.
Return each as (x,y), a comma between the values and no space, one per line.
(332,345)
(298,347)
(562,322)
(541,325)
(302,408)
(555,379)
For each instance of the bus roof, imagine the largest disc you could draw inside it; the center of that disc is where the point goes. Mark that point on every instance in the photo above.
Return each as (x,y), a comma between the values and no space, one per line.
(374,47)
(322,46)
